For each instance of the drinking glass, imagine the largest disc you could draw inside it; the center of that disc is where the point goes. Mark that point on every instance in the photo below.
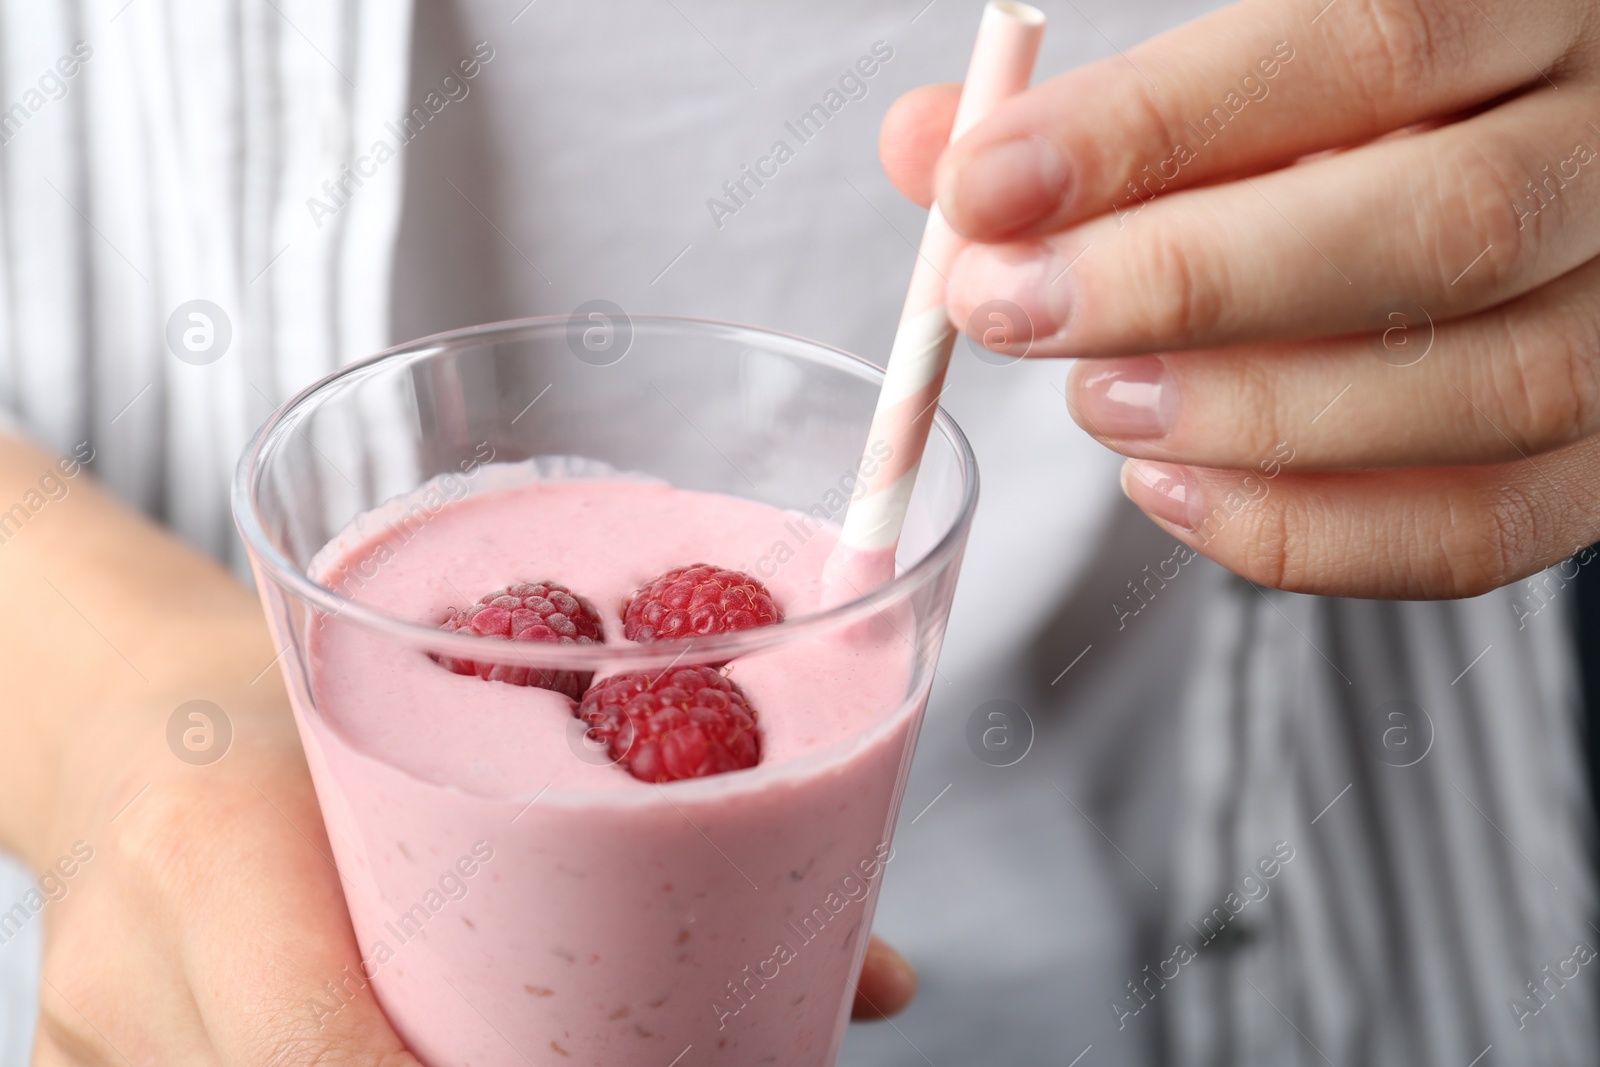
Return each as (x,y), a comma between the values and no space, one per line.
(719,920)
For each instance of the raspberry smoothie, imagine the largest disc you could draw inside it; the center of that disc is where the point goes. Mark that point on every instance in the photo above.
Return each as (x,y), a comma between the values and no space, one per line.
(520,897)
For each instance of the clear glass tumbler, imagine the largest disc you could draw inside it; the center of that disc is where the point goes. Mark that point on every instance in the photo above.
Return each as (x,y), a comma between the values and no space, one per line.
(718,920)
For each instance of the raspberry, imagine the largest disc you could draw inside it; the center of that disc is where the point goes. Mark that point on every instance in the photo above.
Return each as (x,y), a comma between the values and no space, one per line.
(683,723)
(697,601)
(528,611)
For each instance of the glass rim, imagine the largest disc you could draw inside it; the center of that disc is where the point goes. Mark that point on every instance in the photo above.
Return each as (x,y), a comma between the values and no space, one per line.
(277,566)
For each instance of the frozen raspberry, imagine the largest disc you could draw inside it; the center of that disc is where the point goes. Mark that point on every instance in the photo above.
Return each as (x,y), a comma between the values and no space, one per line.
(528,611)
(686,722)
(698,601)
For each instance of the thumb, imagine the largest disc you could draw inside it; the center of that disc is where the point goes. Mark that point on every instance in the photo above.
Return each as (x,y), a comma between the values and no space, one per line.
(273,963)
(914,133)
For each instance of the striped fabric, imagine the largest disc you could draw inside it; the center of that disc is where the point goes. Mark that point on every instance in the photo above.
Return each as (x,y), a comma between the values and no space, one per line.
(1422,764)
(176,165)
(154,152)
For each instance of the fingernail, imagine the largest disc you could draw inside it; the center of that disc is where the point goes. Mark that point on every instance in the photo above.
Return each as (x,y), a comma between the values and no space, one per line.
(1127,398)
(1031,275)
(1165,490)
(1006,186)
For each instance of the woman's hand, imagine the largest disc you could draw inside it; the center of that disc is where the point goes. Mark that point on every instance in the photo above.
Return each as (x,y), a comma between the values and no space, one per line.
(191,906)
(191,912)
(1344,256)
(208,926)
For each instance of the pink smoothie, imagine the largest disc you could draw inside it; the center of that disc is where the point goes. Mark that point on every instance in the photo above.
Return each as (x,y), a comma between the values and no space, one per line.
(516,902)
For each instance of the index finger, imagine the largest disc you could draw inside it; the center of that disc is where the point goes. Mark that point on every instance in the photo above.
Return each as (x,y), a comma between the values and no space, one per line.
(1245,89)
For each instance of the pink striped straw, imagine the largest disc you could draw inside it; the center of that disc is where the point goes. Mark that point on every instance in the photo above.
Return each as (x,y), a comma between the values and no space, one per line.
(1002,64)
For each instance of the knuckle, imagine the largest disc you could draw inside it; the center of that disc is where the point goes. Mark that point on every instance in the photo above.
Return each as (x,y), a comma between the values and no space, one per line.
(1398,46)
(1267,563)
(149,840)
(1582,378)
(1282,531)
(1126,166)
(1474,196)
(1256,536)
(1256,394)
(169,839)
(1548,390)
(1184,299)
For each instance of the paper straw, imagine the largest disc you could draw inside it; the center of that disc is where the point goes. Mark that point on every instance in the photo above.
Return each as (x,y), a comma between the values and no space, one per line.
(1002,64)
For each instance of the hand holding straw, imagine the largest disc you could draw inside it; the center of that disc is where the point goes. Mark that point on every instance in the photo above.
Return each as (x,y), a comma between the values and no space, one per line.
(1002,64)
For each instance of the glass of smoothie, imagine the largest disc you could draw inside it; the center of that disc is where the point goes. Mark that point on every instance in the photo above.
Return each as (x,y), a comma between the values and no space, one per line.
(607,779)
